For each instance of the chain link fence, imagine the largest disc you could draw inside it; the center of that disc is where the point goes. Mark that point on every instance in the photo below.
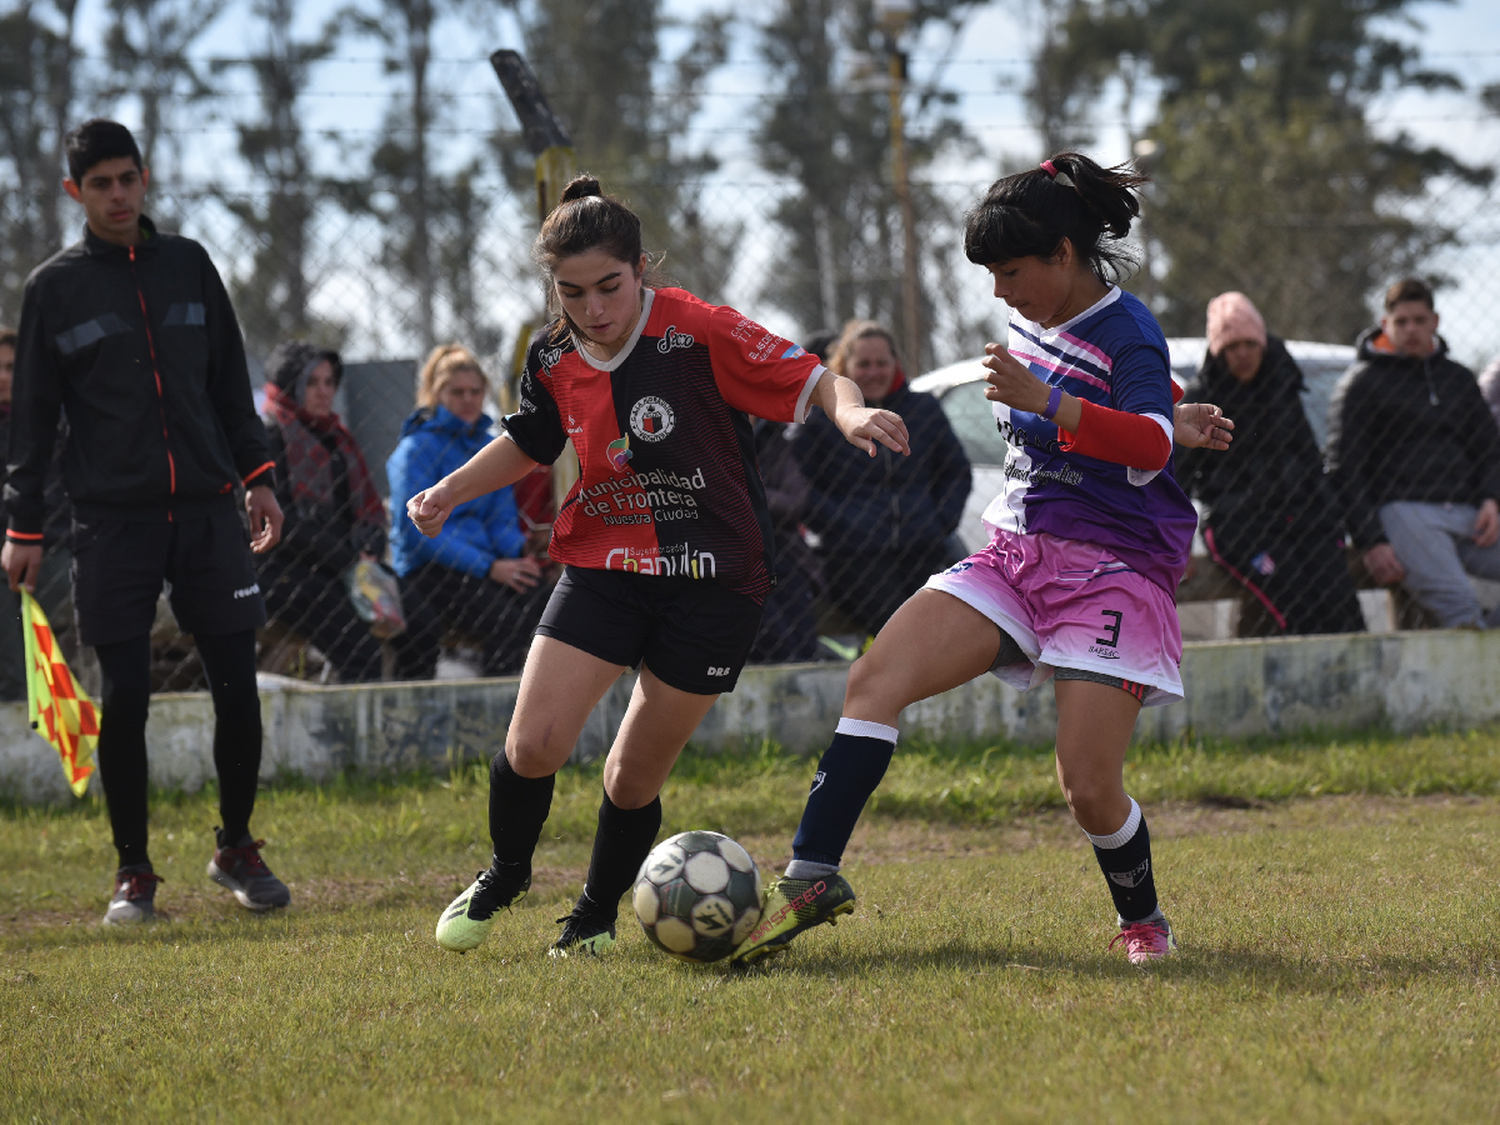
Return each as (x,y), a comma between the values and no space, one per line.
(856,536)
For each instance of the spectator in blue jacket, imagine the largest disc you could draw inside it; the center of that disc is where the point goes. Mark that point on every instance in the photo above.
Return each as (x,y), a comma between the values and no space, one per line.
(883,523)
(479,575)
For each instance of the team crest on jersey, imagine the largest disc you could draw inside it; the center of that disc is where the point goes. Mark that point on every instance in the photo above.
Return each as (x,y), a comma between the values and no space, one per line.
(672,338)
(651,419)
(619,453)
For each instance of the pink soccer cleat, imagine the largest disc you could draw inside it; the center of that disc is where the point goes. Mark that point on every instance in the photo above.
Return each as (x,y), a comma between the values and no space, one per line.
(1146,941)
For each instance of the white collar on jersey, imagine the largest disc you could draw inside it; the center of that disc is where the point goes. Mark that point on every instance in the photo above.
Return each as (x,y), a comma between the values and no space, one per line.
(1108,299)
(647,296)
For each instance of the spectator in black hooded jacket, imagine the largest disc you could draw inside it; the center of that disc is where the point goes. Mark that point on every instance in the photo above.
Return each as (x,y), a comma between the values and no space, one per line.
(1270,521)
(883,523)
(334,516)
(1415,454)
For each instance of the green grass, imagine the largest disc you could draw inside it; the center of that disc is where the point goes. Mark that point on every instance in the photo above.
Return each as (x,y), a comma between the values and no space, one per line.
(1340,957)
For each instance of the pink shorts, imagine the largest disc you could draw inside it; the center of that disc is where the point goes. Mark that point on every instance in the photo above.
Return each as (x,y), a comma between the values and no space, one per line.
(1072,605)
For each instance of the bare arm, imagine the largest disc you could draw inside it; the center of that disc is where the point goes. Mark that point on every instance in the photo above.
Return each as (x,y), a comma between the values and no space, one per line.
(497,465)
(841,400)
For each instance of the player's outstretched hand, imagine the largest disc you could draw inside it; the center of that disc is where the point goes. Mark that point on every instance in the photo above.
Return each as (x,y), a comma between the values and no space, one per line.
(429,509)
(1201,425)
(21,562)
(265,518)
(865,425)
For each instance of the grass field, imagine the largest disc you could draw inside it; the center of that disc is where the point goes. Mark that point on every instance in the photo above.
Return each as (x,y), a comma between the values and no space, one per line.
(1336,903)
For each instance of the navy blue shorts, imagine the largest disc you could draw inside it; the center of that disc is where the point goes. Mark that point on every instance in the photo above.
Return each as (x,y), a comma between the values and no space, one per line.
(692,633)
(121,566)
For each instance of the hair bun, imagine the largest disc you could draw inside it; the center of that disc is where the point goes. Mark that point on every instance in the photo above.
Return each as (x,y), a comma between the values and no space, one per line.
(581,187)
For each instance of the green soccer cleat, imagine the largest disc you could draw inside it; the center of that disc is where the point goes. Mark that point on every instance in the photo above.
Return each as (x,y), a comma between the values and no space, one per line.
(584,934)
(791,906)
(470,917)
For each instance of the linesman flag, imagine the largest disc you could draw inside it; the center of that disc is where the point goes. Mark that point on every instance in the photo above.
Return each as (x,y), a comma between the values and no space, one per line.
(60,711)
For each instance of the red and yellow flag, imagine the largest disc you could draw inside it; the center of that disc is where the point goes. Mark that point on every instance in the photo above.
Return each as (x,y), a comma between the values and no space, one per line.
(59,710)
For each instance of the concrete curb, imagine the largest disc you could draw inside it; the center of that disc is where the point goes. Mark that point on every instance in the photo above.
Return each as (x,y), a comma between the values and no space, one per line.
(1404,681)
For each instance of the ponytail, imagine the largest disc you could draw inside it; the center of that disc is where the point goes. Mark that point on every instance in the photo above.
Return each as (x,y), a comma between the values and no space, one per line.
(1070,196)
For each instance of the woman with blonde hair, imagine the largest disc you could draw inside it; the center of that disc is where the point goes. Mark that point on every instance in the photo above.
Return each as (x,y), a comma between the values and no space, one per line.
(477,573)
(883,523)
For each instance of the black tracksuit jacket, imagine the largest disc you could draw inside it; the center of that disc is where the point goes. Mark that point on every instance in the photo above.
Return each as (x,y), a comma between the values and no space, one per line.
(141,349)
(1401,428)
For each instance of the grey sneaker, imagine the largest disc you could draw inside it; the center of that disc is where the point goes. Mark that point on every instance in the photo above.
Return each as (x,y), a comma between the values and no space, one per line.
(241,870)
(134,900)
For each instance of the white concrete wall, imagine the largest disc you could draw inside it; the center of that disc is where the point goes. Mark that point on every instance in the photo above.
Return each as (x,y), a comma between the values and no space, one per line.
(1405,681)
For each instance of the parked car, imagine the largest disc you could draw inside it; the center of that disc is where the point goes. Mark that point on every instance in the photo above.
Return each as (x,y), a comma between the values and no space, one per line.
(959,387)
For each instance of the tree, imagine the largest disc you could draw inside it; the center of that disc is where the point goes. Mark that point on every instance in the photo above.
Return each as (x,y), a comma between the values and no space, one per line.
(1270,178)
(601,65)
(272,297)
(829,132)
(146,46)
(429,216)
(39,77)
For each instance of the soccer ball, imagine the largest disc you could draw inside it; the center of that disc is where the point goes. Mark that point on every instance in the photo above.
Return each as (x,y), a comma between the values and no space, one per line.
(698,896)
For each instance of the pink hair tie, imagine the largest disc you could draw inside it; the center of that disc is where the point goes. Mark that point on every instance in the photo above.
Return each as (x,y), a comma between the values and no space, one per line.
(1049,168)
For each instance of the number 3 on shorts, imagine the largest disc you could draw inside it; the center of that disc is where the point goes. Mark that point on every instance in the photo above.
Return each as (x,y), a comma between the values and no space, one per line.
(1113,640)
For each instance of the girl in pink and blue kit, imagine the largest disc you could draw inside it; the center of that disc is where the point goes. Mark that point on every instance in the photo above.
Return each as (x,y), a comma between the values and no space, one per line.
(1089,539)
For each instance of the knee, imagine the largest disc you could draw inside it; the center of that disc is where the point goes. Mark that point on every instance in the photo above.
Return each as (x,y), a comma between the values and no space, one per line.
(1096,803)
(529,756)
(869,678)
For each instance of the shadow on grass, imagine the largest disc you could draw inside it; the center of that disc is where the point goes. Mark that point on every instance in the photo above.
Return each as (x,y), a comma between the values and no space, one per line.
(1260,971)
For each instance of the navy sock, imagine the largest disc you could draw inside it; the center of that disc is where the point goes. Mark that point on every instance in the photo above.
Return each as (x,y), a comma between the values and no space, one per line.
(848,773)
(621,844)
(518,809)
(1125,859)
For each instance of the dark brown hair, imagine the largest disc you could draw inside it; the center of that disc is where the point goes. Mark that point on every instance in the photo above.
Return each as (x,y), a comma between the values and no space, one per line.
(1030,213)
(1409,289)
(97,140)
(585,219)
(9,336)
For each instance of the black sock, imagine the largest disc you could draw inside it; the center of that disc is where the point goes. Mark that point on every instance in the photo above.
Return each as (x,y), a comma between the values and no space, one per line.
(124,699)
(1125,859)
(621,844)
(229,662)
(848,773)
(518,809)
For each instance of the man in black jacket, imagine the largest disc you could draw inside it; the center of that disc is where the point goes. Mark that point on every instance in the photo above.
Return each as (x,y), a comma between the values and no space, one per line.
(131,333)
(1415,456)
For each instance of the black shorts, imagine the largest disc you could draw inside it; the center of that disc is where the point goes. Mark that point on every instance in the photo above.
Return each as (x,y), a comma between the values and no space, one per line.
(692,633)
(119,567)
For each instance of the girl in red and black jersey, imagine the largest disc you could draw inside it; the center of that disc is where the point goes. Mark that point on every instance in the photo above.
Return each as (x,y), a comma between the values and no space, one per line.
(666,538)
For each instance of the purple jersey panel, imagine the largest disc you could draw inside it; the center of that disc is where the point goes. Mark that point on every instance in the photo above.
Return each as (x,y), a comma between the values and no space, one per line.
(1112,354)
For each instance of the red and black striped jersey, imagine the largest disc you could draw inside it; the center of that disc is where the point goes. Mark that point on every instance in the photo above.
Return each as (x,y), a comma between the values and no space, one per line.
(668,480)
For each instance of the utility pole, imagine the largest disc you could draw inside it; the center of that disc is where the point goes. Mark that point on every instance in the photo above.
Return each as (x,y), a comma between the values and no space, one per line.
(894,15)
(550,144)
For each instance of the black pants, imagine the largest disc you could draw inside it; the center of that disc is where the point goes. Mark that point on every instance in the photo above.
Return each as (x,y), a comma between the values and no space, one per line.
(789,626)
(1293,566)
(315,605)
(438,599)
(125,667)
(869,586)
